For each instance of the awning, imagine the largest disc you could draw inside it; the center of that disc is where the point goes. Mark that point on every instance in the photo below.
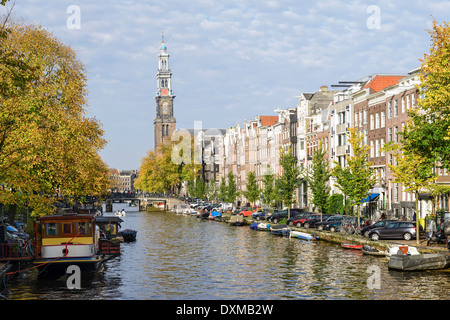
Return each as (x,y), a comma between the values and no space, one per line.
(371,197)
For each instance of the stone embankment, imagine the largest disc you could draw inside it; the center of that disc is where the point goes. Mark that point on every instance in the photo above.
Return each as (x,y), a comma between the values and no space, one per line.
(339,238)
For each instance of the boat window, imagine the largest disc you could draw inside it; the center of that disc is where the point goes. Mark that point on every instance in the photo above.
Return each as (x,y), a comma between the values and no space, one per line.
(51,228)
(83,228)
(67,228)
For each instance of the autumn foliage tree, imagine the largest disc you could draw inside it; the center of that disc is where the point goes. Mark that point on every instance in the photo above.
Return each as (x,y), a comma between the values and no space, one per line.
(48,143)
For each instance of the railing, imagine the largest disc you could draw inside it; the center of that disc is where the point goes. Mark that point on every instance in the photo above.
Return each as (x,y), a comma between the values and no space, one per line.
(16,250)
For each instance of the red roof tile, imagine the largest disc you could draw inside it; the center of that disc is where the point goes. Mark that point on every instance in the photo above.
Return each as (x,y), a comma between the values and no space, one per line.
(268,121)
(380,82)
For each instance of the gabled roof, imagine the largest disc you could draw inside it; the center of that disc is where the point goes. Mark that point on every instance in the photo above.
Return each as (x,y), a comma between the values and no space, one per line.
(380,82)
(268,121)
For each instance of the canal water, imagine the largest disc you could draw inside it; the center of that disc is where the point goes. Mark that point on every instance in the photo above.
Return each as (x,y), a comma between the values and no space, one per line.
(180,257)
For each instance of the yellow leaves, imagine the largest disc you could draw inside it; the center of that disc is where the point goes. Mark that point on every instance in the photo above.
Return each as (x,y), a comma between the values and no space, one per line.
(47,142)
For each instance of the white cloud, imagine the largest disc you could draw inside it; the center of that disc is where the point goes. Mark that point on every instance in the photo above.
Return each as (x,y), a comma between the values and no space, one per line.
(230,60)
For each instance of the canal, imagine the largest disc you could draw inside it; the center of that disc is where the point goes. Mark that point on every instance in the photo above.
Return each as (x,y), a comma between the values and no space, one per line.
(183,257)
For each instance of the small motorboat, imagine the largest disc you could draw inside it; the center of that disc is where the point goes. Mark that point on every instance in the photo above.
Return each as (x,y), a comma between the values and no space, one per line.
(236,220)
(259,226)
(128,235)
(404,249)
(214,214)
(301,235)
(120,213)
(280,230)
(418,262)
(373,251)
(352,246)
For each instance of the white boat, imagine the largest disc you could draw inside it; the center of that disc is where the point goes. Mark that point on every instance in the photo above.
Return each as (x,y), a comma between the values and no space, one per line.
(301,235)
(120,213)
(405,249)
(418,262)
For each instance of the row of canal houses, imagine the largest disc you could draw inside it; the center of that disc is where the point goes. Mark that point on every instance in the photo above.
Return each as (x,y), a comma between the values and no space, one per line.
(377,105)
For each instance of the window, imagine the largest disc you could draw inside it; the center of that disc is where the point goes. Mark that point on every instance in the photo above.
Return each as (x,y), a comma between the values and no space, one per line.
(365,116)
(356,119)
(341,117)
(377,148)
(403,104)
(390,109)
(83,228)
(371,149)
(377,120)
(413,100)
(382,120)
(396,133)
(67,228)
(372,122)
(390,134)
(395,107)
(407,102)
(381,147)
(51,229)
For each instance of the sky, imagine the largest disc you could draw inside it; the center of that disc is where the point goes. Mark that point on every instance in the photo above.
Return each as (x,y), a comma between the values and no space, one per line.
(230,60)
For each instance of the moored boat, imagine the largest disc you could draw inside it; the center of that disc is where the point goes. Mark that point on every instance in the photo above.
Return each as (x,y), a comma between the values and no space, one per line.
(236,220)
(128,235)
(259,226)
(405,249)
(64,240)
(280,230)
(373,251)
(301,235)
(418,262)
(352,246)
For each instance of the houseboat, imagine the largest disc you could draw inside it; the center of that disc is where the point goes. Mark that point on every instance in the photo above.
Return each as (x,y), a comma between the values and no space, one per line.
(64,240)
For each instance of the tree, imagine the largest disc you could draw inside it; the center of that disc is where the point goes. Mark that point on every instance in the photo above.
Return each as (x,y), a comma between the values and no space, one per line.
(288,181)
(252,192)
(223,190)
(413,171)
(429,132)
(357,177)
(317,176)
(158,173)
(232,192)
(48,144)
(269,192)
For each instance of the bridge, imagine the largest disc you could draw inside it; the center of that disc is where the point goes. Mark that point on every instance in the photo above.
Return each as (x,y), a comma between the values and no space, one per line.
(147,202)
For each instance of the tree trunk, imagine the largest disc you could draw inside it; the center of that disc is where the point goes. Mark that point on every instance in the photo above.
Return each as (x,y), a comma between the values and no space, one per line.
(417,218)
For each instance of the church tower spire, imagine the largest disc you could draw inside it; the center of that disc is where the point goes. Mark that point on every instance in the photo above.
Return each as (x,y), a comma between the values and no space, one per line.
(165,122)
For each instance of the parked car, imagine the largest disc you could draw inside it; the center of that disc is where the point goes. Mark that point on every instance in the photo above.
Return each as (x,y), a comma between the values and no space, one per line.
(351,221)
(302,214)
(395,230)
(277,217)
(246,212)
(262,214)
(320,225)
(381,223)
(311,221)
(299,221)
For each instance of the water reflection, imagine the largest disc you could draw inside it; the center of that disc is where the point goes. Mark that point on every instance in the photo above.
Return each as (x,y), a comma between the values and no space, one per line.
(182,257)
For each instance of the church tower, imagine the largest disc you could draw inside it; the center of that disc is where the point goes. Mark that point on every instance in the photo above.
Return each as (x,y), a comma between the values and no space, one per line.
(164,122)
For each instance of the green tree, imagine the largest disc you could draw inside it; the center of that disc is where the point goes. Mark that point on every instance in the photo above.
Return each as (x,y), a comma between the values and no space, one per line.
(318,176)
(232,192)
(429,132)
(269,193)
(252,192)
(223,190)
(336,203)
(288,181)
(413,171)
(357,177)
